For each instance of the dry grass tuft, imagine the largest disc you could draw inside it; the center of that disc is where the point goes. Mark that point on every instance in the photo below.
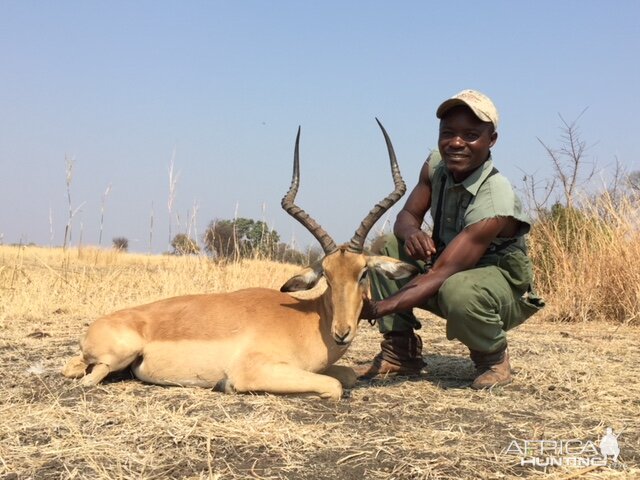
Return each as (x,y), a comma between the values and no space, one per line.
(588,261)
(572,381)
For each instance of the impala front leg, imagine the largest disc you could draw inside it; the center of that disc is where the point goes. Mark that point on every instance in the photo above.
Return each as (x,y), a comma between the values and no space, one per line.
(345,375)
(283,378)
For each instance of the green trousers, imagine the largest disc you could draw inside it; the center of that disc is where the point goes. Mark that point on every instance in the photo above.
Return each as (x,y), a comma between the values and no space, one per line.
(479,304)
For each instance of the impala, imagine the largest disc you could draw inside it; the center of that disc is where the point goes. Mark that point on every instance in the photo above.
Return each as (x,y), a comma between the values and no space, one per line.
(252,340)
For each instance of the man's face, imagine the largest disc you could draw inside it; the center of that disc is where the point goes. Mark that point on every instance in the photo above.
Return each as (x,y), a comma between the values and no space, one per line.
(464,141)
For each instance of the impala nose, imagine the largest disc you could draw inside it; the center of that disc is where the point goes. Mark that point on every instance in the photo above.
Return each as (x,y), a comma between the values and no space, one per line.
(340,338)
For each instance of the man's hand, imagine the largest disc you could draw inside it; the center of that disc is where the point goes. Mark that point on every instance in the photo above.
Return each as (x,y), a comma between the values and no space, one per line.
(420,246)
(369,309)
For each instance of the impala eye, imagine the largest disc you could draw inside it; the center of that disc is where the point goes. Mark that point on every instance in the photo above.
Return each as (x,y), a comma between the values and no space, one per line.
(363,275)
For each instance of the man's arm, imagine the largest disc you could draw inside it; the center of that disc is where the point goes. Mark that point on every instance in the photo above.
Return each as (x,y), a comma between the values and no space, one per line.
(463,253)
(418,244)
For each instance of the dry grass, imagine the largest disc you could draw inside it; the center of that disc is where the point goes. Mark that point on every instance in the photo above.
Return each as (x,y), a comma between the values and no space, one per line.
(588,260)
(572,381)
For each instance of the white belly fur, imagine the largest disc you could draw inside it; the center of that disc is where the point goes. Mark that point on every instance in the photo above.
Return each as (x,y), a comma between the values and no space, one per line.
(187,363)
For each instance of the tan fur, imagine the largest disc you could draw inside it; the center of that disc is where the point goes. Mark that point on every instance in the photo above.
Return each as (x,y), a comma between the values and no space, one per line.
(249,340)
(75,367)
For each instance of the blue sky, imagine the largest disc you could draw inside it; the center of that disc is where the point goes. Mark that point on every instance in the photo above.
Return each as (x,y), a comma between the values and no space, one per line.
(122,87)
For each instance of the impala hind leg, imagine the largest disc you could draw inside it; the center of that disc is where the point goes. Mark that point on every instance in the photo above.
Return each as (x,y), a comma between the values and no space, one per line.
(345,375)
(98,373)
(283,378)
(105,348)
(76,367)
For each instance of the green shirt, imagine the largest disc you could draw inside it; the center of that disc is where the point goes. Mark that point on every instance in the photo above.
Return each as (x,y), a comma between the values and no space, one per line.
(478,197)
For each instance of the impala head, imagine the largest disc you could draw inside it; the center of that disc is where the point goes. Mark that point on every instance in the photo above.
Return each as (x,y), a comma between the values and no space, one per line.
(345,267)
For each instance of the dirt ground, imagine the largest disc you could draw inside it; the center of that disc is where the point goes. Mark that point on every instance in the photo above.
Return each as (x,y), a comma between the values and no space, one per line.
(572,381)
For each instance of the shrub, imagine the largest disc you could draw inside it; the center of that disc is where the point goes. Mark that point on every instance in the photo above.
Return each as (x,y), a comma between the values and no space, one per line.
(183,245)
(121,244)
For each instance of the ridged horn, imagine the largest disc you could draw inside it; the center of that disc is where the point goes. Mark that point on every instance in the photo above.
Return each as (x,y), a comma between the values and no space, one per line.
(327,243)
(356,244)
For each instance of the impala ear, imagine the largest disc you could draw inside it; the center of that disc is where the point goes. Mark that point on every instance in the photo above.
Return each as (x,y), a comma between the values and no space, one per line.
(305,280)
(391,267)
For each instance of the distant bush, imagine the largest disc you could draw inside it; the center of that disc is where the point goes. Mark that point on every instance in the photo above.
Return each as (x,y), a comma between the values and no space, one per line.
(286,254)
(121,244)
(240,238)
(183,245)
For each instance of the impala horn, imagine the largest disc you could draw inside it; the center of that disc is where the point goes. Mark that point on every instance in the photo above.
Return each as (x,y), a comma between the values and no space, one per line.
(327,243)
(356,244)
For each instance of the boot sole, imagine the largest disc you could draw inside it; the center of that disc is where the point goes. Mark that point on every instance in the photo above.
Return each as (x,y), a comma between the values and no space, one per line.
(368,376)
(486,387)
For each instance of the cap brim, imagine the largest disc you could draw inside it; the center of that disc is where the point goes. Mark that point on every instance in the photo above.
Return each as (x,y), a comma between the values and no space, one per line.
(448,105)
(454,102)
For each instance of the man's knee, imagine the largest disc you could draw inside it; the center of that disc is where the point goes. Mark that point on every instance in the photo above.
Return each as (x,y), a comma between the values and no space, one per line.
(471,312)
(460,296)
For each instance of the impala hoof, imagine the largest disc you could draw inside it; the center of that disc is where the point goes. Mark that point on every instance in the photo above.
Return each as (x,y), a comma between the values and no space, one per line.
(334,394)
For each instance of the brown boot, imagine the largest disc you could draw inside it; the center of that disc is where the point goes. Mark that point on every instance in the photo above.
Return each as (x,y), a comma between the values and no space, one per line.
(401,354)
(492,369)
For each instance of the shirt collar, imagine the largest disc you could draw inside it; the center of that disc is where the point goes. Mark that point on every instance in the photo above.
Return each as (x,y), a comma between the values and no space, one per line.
(473,182)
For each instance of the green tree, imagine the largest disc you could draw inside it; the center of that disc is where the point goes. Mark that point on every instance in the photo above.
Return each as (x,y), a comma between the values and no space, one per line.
(240,238)
(183,245)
